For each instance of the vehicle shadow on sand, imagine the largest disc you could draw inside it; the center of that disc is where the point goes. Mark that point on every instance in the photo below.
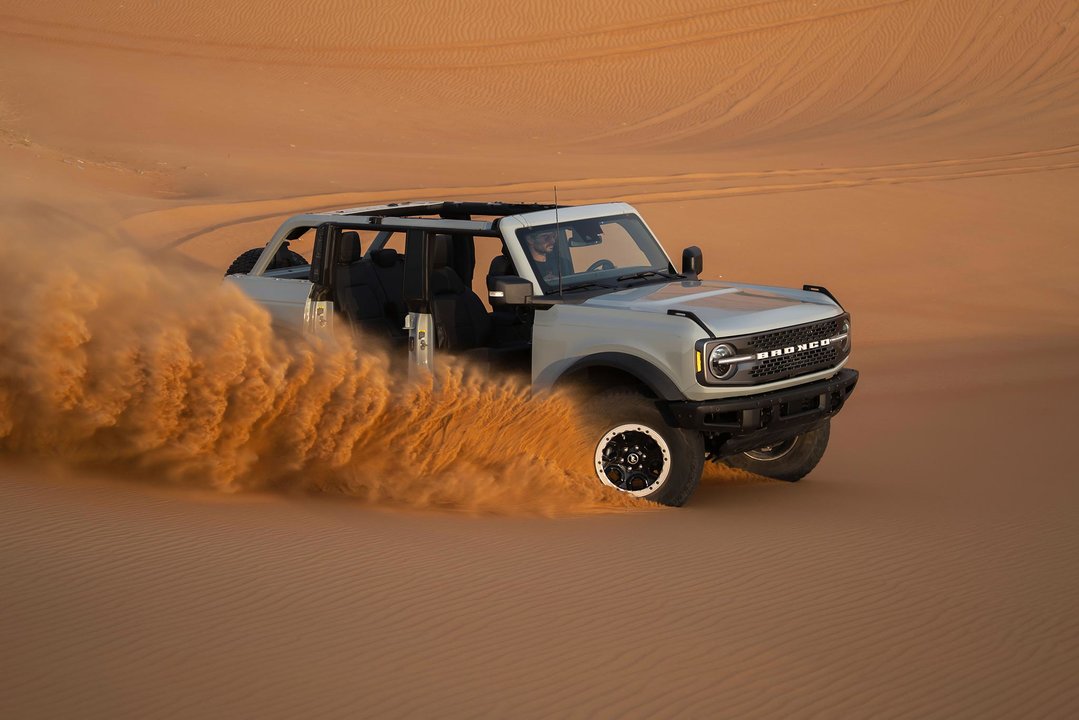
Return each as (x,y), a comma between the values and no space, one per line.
(722,485)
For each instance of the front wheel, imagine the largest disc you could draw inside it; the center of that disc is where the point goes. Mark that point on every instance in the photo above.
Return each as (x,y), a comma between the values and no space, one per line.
(790,460)
(638,453)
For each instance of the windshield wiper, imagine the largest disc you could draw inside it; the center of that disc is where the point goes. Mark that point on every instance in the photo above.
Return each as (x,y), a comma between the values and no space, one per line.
(650,273)
(585,285)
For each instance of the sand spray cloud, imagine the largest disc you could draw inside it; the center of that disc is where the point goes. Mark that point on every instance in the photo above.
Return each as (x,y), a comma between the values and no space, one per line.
(113,358)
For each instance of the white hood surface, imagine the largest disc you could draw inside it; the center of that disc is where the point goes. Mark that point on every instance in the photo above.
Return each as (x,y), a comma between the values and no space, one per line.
(728,309)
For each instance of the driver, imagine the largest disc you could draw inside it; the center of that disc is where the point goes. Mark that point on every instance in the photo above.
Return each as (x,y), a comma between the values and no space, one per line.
(541,247)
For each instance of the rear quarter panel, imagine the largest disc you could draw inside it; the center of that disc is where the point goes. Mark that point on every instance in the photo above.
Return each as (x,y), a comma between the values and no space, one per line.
(283,298)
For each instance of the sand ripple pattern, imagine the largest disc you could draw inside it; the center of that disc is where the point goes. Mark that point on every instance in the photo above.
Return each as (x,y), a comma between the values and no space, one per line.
(275,612)
(687,75)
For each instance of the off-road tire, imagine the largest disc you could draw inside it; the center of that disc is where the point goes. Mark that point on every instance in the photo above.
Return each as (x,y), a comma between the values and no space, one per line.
(616,408)
(243,264)
(794,464)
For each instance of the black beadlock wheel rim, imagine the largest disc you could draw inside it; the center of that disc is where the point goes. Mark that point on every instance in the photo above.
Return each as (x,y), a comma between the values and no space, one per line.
(633,458)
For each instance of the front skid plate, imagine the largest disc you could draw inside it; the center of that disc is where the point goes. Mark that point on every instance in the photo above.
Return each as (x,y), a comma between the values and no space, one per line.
(754,421)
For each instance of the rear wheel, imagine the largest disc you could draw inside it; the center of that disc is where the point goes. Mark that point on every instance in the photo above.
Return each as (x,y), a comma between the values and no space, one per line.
(243,264)
(789,460)
(638,453)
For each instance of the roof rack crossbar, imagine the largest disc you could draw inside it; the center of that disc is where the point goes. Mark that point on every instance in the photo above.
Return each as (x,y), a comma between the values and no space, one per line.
(448,208)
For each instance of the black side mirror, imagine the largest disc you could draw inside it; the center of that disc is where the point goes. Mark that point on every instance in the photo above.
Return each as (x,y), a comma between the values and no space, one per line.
(692,261)
(509,290)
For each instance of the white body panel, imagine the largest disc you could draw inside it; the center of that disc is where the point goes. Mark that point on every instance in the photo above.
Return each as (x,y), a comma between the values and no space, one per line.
(285,299)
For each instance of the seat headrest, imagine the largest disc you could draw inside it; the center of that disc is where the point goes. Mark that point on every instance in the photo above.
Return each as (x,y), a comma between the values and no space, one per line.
(501,265)
(441,251)
(349,249)
(384,258)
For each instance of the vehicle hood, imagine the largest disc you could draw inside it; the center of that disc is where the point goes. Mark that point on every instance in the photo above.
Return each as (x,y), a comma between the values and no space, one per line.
(728,309)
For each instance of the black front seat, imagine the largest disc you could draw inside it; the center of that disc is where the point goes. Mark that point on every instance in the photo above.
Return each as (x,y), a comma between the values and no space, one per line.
(500,266)
(511,325)
(461,320)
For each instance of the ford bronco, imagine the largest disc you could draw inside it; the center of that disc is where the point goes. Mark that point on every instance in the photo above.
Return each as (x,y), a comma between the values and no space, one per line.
(676,370)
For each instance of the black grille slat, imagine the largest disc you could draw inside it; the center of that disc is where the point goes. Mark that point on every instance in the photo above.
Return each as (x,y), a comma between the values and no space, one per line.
(807,360)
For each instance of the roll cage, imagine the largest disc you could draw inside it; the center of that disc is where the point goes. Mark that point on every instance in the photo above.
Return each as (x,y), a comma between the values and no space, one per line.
(450,217)
(420,294)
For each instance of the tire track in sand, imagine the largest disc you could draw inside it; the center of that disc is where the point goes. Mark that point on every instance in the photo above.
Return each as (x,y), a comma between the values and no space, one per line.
(193,221)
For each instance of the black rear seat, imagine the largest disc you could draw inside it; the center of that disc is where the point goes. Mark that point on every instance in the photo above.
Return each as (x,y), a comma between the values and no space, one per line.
(362,290)
(389,269)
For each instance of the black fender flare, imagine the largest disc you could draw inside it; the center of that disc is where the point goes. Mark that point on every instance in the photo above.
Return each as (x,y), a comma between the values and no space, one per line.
(648,374)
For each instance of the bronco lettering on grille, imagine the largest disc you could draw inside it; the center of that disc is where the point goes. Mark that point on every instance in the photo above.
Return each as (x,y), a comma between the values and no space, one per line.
(790,350)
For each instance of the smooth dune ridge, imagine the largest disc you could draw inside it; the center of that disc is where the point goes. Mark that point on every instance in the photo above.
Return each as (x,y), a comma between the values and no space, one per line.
(186,530)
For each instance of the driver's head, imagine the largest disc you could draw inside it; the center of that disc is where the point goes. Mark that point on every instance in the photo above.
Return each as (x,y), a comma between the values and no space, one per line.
(541,242)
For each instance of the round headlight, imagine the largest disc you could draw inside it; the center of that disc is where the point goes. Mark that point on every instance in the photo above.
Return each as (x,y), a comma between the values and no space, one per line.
(720,369)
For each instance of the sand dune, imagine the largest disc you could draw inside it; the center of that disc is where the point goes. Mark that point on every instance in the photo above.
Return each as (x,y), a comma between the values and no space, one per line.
(689,76)
(918,157)
(640,190)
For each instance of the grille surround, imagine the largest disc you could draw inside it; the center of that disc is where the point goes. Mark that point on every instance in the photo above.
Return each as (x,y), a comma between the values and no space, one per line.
(784,366)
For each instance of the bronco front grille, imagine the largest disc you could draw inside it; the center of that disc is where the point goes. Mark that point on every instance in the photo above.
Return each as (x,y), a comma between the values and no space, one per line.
(799,363)
(779,354)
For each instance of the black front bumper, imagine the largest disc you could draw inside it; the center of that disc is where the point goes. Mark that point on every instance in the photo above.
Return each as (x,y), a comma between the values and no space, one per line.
(746,423)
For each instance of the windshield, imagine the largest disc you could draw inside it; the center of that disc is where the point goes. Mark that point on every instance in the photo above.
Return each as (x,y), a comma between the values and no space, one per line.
(592,251)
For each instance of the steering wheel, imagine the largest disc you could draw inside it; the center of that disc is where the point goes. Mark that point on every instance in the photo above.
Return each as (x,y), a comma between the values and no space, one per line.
(603,264)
